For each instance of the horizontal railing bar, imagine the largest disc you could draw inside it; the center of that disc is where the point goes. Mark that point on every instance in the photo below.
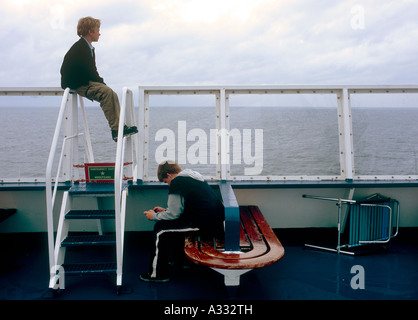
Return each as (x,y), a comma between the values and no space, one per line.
(383,90)
(256,89)
(31,91)
(279,89)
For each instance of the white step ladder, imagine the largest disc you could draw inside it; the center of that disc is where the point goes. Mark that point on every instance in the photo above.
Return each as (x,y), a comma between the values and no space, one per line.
(84,202)
(66,240)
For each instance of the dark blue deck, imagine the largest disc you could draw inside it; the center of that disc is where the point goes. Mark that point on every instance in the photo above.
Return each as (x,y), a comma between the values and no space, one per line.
(303,273)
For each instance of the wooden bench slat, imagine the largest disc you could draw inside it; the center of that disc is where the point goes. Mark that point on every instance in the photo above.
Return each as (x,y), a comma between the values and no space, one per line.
(207,247)
(249,249)
(244,243)
(276,248)
(251,228)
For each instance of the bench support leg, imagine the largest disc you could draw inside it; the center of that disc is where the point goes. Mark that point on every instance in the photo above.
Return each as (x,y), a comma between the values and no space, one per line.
(231,276)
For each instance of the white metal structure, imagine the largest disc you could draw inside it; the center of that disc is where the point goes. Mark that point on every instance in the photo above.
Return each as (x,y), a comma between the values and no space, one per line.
(344,95)
(223,95)
(69,156)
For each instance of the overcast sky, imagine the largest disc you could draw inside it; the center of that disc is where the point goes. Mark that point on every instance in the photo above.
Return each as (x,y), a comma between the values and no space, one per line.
(203,42)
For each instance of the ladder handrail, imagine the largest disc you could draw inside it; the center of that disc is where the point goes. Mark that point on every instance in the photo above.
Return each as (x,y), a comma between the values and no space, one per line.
(126,113)
(51,192)
(48,182)
(120,148)
(127,101)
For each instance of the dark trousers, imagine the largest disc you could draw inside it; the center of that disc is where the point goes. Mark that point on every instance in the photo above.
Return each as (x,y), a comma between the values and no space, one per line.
(166,234)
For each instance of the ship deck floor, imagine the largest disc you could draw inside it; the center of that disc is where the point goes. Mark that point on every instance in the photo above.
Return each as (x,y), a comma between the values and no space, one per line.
(302,274)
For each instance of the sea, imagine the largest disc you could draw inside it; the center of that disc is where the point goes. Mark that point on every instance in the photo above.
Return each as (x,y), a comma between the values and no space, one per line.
(263,141)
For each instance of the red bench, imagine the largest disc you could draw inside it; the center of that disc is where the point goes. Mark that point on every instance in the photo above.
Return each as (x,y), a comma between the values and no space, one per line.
(259,247)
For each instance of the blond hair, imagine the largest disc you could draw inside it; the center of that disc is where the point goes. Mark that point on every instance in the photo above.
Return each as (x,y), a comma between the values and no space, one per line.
(165,167)
(86,24)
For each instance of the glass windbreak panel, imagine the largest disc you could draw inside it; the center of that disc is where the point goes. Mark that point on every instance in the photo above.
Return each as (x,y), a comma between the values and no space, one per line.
(104,148)
(27,126)
(385,133)
(284,135)
(181,128)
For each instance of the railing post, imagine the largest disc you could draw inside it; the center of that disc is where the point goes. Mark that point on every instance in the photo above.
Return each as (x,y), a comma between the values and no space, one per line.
(144,128)
(134,141)
(224,136)
(89,149)
(215,145)
(346,135)
(74,174)
(70,129)
(141,129)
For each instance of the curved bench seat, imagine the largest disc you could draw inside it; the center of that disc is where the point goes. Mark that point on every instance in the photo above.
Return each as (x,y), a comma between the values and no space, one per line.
(259,247)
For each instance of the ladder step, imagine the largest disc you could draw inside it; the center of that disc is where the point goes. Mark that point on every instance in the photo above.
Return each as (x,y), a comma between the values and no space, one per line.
(92,189)
(89,240)
(90,214)
(89,268)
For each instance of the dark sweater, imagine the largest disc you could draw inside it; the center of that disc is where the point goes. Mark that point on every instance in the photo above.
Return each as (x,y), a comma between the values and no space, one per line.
(79,66)
(201,205)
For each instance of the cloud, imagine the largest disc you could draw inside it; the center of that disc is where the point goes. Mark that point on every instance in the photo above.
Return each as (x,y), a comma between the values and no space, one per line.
(168,42)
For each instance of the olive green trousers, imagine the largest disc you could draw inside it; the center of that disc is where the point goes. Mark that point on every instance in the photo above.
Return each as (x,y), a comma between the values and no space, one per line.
(108,99)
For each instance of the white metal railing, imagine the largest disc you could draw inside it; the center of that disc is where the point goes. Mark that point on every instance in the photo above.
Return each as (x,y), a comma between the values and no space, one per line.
(222,114)
(344,96)
(127,145)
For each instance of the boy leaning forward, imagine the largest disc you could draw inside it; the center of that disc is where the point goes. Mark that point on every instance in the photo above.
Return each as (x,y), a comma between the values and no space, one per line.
(192,206)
